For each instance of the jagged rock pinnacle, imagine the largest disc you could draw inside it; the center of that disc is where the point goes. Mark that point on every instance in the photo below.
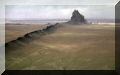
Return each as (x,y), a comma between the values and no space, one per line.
(77,18)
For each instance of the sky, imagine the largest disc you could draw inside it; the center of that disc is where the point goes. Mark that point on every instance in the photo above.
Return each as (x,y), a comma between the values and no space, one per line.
(108,12)
(24,12)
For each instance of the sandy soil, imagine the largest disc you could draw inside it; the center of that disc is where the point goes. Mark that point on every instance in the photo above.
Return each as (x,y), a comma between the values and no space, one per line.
(14,31)
(70,47)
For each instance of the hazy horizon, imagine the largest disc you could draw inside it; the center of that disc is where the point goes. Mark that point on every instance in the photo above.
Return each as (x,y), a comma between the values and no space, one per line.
(43,12)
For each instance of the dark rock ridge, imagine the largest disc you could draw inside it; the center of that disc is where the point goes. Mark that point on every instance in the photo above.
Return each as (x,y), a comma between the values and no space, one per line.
(77,18)
(27,38)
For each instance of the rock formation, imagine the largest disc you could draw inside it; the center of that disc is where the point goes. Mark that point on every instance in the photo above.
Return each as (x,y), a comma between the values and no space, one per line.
(77,18)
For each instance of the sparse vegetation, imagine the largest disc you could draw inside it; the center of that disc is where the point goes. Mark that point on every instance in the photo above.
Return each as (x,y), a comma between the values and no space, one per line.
(13,31)
(70,47)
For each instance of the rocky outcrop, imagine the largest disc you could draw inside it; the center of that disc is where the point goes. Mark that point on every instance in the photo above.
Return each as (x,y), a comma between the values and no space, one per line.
(27,38)
(77,18)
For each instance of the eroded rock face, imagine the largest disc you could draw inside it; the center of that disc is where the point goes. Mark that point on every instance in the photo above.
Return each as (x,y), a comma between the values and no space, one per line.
(77,18)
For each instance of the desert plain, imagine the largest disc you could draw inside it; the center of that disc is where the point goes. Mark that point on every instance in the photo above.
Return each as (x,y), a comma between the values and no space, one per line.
(69,47)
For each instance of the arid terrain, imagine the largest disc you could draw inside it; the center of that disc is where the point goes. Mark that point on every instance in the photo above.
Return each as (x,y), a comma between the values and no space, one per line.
(69,47)
(13,31)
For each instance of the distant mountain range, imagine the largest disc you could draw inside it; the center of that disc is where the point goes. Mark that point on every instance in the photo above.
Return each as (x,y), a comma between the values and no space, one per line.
(52,21)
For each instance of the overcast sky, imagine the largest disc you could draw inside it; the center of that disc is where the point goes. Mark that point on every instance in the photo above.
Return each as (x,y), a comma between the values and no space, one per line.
(58,11)
(4,3)
(62,9)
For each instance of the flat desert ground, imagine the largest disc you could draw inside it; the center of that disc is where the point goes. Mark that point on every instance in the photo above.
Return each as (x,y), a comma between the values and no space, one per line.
(13,31)
(69,47)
